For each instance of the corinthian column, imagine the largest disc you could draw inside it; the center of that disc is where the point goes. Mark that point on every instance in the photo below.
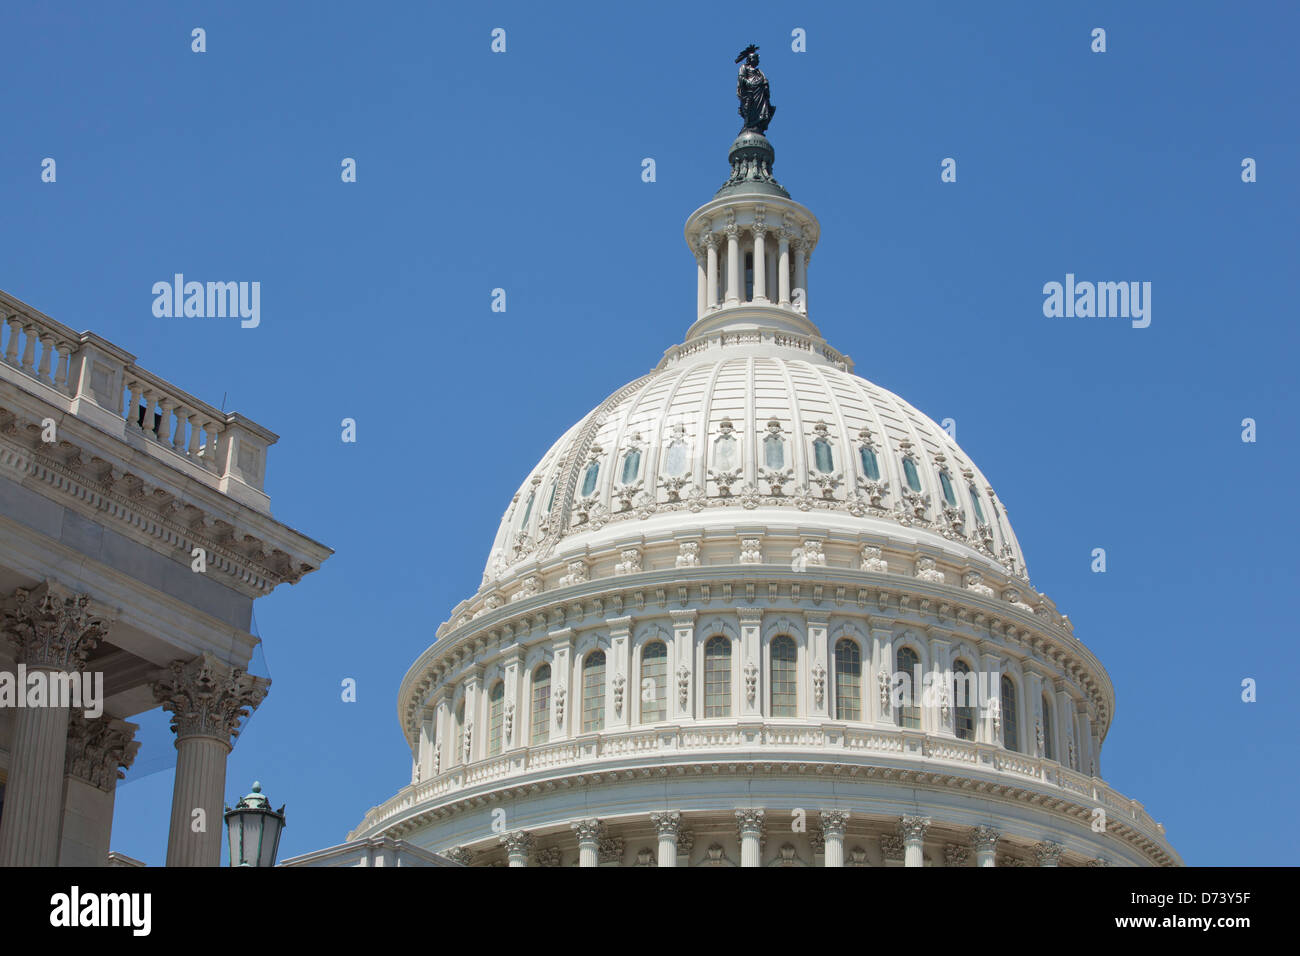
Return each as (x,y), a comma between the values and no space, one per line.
(99,751)
(750,824)
(985,842)
(589,833)
(52,630)
(208,699)
(667,826)
(518,845)
(733,264)
(912,830)
(1048,853)
(834,823)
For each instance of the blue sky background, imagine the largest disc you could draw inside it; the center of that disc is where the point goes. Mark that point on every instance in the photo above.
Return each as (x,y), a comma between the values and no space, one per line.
(522,171)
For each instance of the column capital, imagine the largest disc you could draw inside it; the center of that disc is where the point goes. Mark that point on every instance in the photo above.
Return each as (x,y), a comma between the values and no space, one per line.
(588,831)
(749,821)
(517,841)
(834,822)
(984,839)
(1048,853)
(667,824)
(53,627)
(100,750)
(207,697)
(750,616)
(684,618)
(913,828)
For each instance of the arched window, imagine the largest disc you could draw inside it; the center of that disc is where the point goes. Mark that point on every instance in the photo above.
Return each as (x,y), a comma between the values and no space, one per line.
(870,465)
(724,453)
(589,479)
(496,714)
(1010,716)
(823,455)
(631,465)
(909,712)
(774,452)
(848,680)
(541,709)
(948,494)
(593,692)
(550,500)
(717,677)
(910,473)
(975,501)
(965,695)
(785,696)
(528,508)
(654,682)
(1049,742)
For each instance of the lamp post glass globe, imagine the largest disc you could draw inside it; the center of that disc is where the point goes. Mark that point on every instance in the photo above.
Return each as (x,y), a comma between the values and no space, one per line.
(253,830)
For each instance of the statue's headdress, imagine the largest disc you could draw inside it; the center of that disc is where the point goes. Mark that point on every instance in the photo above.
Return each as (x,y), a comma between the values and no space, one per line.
(746,52)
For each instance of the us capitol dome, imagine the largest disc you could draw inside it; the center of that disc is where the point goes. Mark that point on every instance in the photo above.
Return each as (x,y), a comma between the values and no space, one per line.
(754,610)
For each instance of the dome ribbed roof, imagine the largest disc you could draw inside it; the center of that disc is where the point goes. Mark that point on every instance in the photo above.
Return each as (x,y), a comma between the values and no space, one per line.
(763,428)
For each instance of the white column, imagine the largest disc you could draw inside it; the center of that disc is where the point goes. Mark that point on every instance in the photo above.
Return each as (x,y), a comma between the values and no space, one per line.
(834,823)
(589,833)
(667,826)
(701,286)
(53,630)
(711,252)
(471,748)
(760,263)
(562,702)
(518,844)
(733,265)
(783,268)
(441,754)
(512,714)
(985,841)
(750,825)
(912,830)
(801,274)
(207,698)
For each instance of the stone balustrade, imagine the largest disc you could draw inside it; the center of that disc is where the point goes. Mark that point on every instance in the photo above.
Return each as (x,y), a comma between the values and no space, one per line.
(94,380)
(858,750)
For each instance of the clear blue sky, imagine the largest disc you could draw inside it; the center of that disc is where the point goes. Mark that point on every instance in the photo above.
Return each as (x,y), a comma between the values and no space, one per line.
(522,171)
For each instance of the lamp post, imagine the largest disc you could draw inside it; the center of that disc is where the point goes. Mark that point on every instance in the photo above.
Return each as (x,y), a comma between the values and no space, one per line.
(253,830)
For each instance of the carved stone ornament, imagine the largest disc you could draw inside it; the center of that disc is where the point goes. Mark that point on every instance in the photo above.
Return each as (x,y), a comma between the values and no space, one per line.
(975,582)
(751,681)
(459,854)
(750,551)
(207,697)
(984,839)
(688,554)
(1047,853)
(749,822)
(926,570)
(631,563)
(577,573)
(683,685)
(819,683)
(882,682)
(100,750)
(559,706)
(834,822)
(891,847)
(588,831)
(620,682)
(666,824)
(517,842)
(509,721)
(913,828)
(548,856)
(53,627)
(955,855)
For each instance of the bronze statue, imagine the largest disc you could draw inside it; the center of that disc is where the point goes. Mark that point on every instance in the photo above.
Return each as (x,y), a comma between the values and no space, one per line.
(756,107)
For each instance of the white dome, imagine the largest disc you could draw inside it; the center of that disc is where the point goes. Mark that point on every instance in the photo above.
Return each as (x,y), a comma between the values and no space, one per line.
(727,429)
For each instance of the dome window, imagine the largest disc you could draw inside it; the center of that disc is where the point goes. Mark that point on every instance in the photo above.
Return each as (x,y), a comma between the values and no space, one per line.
(654,678)
(1049,745)
(948,494)
(908,712)
(724,453)
(774,452)
(975,500)
(717,677)
(551,499)
(784,677)
(593,692)
(823,455)
(528,509)
(541,704)
(964,692)
(496,717)
(870,465)
(848,680)
(631,465)
(589,479)
(675,460)
(910,473)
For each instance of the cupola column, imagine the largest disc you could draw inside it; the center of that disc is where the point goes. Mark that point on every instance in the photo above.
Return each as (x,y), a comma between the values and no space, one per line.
(801,275)
(701,284)
(760,263)
(518,845)
(711,253)
(733,264)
